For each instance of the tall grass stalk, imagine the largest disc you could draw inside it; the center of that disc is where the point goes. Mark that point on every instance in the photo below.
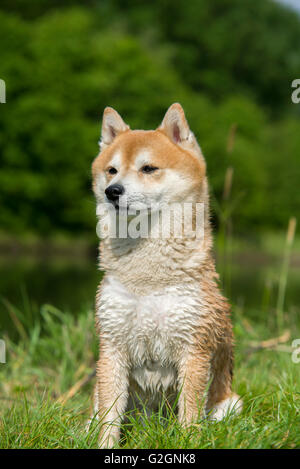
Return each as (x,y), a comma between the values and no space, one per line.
(284,271)
(226,231)
(224,241)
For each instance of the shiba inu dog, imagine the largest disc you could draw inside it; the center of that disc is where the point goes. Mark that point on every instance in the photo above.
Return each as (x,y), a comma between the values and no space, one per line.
(164,327)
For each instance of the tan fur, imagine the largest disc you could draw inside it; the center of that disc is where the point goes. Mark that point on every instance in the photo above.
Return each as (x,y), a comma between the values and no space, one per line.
(168,154)
(150,264)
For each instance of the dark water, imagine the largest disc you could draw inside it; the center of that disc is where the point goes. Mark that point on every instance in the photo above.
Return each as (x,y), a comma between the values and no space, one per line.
(28,282)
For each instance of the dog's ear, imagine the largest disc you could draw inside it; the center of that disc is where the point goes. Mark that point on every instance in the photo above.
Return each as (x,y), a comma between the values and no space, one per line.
(175,125)
(112,126)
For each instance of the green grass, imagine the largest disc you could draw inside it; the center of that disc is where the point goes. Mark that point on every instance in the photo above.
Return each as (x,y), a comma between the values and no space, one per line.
(58,350)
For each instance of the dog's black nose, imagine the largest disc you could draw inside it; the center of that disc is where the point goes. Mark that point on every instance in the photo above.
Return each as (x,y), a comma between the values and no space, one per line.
(114,191)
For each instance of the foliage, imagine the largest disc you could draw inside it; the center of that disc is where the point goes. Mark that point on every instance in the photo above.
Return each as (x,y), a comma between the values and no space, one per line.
(226,61)
(223,47)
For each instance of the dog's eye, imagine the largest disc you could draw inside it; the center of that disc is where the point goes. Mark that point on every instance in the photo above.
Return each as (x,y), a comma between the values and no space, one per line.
(112,170)
(148,169)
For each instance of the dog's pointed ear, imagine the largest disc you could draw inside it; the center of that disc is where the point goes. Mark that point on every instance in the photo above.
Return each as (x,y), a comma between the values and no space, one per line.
(175,125)
(112,126)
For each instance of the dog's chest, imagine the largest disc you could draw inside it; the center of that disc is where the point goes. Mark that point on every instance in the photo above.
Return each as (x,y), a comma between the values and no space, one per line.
(151,328)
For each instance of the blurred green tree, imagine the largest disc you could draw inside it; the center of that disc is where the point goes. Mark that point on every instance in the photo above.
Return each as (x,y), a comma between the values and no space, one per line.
(225,61)
(222,47)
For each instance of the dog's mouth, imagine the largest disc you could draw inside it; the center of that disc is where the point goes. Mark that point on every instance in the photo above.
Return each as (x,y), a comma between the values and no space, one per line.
(119,208)
(133,208)
(116,205)
(131,211)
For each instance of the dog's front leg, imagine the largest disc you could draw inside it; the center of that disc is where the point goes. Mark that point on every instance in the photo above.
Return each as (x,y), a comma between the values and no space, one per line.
(193,378)
(111,395)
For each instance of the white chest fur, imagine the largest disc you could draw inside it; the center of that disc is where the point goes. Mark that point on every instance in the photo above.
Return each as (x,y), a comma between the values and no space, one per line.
(150,331)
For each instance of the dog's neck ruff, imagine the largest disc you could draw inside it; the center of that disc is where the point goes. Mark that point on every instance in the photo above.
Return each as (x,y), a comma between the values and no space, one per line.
(146,264)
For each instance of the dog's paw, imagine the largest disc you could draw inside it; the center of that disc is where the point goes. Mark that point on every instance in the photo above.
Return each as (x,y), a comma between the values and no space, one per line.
(107,442)
(233,405)
(88,425)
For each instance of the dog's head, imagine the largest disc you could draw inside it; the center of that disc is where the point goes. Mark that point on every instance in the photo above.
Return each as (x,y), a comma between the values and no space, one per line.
(139,169)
